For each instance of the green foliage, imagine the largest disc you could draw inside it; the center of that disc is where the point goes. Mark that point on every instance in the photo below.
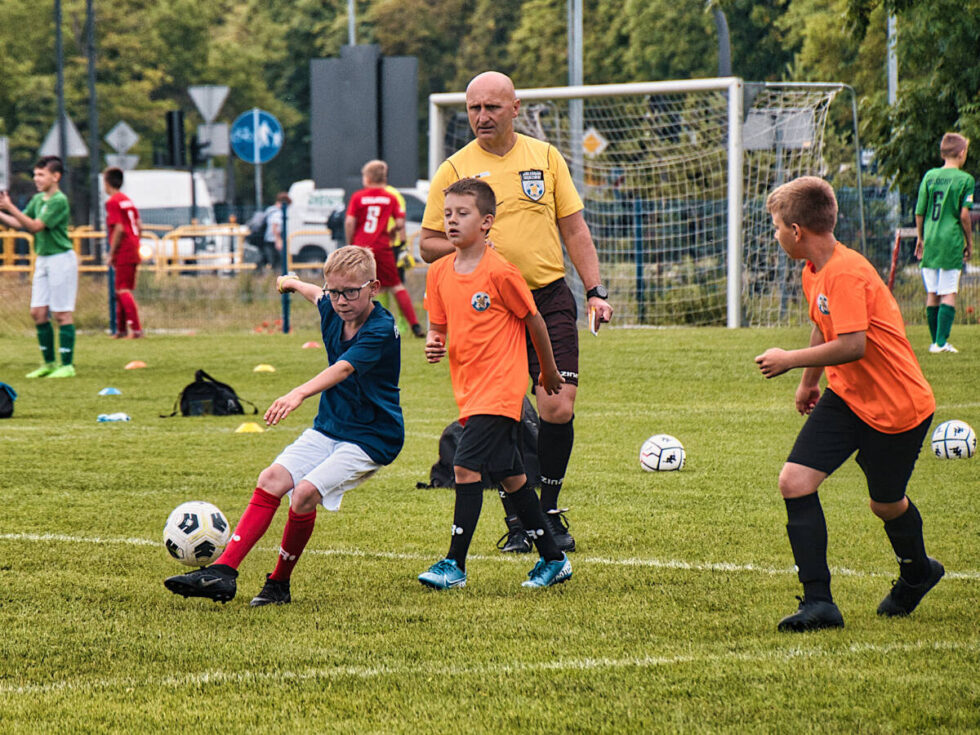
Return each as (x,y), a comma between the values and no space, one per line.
(668,624)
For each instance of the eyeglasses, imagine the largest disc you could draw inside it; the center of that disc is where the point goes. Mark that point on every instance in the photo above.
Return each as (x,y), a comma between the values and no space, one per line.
(349,294)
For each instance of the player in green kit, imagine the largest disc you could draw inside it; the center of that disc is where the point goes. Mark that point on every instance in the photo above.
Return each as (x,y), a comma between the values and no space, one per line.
(945,237)
(55,269)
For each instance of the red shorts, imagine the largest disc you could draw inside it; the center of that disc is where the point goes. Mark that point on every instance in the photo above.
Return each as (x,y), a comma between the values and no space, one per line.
(125,276)
(387,270)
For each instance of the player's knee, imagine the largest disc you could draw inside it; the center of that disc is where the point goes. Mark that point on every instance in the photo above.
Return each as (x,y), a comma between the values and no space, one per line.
(889,511)
(795,484)
(305,498)
(276,480)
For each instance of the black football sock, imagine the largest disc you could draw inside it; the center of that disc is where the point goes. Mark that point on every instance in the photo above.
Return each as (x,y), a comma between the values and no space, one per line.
(554,450)
(807,530)
(932,317)
(508,504)
(532,518)
(905,534)
(469,503)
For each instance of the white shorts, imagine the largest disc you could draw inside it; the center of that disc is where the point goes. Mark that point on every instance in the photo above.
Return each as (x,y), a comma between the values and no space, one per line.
(940,281)
(332,466)
(55,281)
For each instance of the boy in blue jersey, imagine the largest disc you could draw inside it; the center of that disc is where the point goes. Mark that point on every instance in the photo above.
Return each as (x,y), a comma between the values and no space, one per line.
(358,427)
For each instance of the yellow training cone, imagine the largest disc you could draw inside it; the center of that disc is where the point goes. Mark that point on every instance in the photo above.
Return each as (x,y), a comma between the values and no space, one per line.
(135,364)
(263,368)
(249,427)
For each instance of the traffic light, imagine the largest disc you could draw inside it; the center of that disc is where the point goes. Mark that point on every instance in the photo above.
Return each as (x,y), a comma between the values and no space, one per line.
(199,150)
(176,142)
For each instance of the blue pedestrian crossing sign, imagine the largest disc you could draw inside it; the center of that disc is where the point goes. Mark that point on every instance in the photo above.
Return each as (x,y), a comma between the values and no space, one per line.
(256,136)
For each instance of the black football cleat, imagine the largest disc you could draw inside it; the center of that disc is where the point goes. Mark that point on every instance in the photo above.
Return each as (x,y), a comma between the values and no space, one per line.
(216,582)
(516,540)
(273,592)
(558,525)
(812,615)
(904,597)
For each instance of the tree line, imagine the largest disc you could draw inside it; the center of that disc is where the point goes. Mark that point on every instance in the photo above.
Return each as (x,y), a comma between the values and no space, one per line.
(150,51)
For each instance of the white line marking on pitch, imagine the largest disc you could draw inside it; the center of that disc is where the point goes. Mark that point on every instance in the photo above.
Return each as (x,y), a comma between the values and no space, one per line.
(512,558)
(448,670)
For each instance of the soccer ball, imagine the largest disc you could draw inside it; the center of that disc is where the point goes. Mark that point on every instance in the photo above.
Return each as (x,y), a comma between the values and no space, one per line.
(660,453)
(196,533)
(954,440)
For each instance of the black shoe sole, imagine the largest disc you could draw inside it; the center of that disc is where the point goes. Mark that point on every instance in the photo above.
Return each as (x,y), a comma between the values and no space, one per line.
(262,602)
(189,590)
(803,627)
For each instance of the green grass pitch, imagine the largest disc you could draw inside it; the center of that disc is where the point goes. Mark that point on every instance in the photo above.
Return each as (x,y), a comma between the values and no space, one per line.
(668,624)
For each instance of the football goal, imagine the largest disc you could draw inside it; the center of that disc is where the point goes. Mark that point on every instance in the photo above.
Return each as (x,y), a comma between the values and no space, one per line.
(674,177)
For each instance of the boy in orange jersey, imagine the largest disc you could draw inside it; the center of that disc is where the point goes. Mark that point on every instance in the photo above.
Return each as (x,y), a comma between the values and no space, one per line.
(483,304)
(877,402)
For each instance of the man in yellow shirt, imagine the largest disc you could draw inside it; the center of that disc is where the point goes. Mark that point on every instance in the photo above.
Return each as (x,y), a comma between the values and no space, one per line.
(537,210)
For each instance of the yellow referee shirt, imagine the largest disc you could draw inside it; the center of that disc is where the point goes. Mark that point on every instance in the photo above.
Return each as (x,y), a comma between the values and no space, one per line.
(533,188)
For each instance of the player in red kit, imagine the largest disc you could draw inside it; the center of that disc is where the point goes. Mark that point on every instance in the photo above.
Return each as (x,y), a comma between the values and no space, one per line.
(122,221)
(368,216)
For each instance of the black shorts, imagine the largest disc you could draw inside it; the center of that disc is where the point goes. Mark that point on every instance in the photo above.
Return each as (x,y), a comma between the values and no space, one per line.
(833,432)
(557,306)
(490,445)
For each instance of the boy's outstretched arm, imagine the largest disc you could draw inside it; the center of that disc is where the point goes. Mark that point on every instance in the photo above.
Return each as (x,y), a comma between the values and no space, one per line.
(550,379)
(435,343)
(290,283)
(285,405)
(846,348)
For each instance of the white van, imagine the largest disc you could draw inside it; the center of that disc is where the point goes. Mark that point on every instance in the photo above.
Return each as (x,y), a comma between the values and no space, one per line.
(163,198)
(311,209)
(306,223)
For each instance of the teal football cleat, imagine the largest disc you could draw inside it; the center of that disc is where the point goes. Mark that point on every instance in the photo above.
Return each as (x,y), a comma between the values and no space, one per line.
(548,573)
(443,575)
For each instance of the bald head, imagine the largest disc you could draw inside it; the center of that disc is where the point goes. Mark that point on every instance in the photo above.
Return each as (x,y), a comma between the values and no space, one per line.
(492,105)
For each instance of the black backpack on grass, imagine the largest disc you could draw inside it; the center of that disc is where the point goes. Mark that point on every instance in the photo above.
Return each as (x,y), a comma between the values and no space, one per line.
(7,397)
(208,397)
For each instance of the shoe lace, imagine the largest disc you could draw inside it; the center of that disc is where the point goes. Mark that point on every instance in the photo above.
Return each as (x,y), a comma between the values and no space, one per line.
(558,520)
(537,570)
(446,565)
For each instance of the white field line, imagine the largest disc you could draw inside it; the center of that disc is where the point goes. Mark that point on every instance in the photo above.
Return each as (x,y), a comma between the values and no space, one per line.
(507,558)
(444,671)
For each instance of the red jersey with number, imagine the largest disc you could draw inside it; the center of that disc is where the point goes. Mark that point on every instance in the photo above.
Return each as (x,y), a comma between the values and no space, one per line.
(120,210)
(372,208)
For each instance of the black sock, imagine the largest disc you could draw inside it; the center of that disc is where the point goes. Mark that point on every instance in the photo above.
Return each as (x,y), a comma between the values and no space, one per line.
(509,508)
(807,532)
(905,534)
(469,502)
(554,450)
(529,511)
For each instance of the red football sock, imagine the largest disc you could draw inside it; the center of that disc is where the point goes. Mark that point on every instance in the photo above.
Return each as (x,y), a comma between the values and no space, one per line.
(129,309)
(405,304)
(295,535)
(253,524)
(120,317)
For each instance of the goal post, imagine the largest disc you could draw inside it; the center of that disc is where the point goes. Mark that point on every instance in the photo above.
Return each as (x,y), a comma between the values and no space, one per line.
(673,175)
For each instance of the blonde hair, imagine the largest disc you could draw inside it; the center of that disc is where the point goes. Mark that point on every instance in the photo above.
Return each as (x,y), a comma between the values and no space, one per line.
(376,172)
(952,145)
(351,259)
(808,201)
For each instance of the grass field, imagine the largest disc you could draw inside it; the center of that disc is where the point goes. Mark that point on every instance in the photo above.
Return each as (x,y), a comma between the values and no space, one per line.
(668,624)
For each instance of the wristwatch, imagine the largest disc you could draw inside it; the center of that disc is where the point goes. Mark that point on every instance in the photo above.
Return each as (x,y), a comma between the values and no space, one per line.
(598,291)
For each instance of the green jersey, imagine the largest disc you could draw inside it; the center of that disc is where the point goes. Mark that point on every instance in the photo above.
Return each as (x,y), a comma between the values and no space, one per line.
(944,192)
(53,212)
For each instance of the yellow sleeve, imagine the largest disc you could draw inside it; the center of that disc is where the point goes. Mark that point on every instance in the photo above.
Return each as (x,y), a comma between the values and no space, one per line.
(432,219)
(567,199)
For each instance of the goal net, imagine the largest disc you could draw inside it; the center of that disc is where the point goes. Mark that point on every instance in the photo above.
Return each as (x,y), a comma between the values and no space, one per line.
(674,177)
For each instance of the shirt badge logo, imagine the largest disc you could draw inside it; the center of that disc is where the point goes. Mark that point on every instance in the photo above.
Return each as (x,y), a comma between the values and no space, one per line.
(823,305)
(532,182)
(480,301)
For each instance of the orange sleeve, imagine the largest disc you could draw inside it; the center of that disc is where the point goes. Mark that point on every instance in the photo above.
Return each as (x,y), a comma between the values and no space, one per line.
(850,303)
(514,292)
